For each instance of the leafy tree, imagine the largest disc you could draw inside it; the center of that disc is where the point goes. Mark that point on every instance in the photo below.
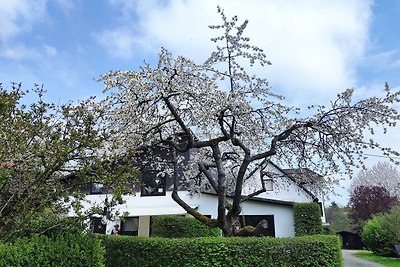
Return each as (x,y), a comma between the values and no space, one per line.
(52,225)
(338,218)
(234,122)
(47,152)
(382,174)
(366,201)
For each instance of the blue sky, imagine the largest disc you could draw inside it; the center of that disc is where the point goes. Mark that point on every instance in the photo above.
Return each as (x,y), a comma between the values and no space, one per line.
(317,48)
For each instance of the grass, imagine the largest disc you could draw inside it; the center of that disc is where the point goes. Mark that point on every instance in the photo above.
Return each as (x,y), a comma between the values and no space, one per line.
(367,255)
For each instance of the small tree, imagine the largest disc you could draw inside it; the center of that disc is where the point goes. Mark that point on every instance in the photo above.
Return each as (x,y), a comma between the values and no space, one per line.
(366,201)
(234,122)
(48,152)
(338,218)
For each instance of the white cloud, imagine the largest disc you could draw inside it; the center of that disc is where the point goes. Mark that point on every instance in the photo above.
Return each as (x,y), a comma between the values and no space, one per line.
(50,50)
(19,52)
(22,52)
(314,45)
(119,43)
(66,5)
(18,15)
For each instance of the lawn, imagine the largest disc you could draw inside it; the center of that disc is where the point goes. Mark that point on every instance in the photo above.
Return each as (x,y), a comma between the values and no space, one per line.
(367,255)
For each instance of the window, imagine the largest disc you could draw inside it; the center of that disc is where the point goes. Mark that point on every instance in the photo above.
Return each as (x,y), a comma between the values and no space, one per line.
(96,188)
(130,226)
(152,185)
(268,182)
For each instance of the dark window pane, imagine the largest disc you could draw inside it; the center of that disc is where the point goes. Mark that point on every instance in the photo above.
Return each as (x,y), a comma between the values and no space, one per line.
(96,188)
(152,185)
(130,226)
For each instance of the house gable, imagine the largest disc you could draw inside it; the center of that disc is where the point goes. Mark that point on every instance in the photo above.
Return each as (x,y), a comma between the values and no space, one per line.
(284,188)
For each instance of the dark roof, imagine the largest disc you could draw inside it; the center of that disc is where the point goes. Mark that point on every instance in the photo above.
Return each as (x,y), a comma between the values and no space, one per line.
(289,175)
(304,175)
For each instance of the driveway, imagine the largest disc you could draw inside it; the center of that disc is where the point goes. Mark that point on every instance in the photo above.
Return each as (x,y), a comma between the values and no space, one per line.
(352,261)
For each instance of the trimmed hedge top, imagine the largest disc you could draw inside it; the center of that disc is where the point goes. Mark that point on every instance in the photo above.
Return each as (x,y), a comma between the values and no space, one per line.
(173,226)
(307,219)
(70,250)
(220,251)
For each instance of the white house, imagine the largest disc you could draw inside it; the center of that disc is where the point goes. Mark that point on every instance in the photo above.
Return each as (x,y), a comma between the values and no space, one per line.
(275,205)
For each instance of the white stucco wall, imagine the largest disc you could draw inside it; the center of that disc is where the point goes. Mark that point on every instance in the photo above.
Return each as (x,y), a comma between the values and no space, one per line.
(285,190)
(144,207)
(283,214)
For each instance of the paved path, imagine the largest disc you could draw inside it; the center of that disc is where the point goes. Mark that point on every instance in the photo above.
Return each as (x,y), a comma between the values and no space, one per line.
(352,261)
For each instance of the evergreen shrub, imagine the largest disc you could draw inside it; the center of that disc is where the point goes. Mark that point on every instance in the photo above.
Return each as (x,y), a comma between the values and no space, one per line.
(307,219)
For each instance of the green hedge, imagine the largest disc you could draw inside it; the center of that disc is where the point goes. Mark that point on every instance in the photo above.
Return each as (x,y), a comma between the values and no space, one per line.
(318,250)
(307,219)
(71,250)
(180,226)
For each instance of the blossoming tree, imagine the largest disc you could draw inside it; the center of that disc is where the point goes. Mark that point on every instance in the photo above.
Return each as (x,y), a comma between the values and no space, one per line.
(233,120)
(382,174)
(47,152)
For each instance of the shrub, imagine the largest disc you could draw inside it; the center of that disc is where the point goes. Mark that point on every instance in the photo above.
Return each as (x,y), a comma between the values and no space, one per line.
(70,250)
(376,238)
(52,225)
(307,219)
(391,221)
(382,232)
(314,250)
(179,226)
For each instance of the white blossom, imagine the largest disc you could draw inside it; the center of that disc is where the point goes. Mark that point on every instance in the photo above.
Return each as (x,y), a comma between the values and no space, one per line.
(233,119)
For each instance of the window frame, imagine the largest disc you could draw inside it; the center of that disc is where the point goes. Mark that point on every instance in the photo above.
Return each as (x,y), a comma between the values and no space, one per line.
(267,182)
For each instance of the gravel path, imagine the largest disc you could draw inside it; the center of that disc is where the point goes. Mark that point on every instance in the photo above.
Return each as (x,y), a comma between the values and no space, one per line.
(352,261)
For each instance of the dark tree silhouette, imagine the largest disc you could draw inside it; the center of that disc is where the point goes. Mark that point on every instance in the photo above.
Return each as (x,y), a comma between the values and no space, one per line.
(366,201)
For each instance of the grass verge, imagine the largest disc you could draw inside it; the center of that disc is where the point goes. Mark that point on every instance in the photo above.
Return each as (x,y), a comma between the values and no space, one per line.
(367,255)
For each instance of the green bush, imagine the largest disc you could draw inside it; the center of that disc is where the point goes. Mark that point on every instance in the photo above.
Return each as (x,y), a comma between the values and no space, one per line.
(179,226)
(52,225)
(307,219)
(69,250)
(317,250)
(391,221)
(382,232)
(376,238)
